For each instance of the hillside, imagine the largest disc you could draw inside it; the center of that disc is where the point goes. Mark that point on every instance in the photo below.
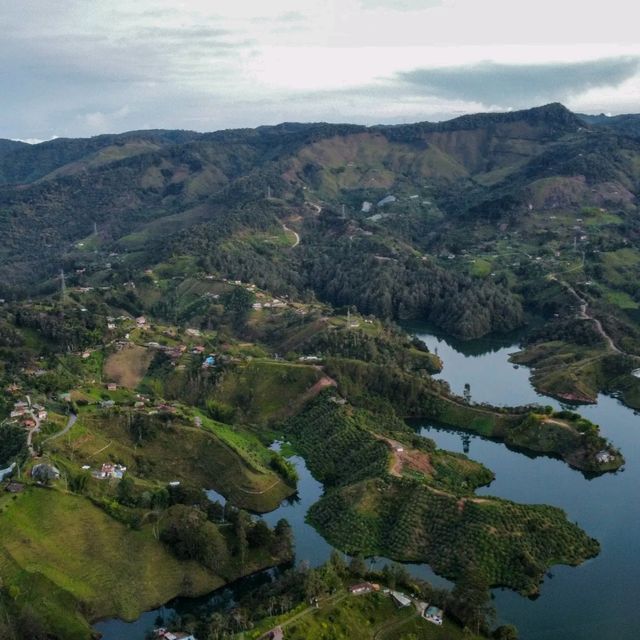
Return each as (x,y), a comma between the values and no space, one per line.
(451,223)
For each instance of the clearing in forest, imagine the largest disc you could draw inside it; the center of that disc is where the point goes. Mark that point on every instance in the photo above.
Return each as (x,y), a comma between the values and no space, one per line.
(127,367)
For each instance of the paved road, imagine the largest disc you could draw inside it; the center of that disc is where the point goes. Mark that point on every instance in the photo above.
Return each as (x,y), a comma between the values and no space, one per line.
(295,233)
(72,420)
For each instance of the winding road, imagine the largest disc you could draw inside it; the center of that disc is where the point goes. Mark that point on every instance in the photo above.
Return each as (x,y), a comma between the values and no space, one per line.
(585,315)
(295,233)
(72,420)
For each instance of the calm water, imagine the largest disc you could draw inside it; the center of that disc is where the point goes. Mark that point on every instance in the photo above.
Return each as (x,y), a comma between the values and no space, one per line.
(595,601)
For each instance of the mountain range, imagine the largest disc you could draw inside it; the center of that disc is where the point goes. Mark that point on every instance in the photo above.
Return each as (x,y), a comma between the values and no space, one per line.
(114,203)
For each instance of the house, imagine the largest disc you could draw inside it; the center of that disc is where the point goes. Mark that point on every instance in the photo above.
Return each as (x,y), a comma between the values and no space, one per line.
(107,404)
(400,599)
(602,457)
(386,200)
(193,332)
(42,414)
(111,326)
(86,354)
(29,423)
(433,614)
(112,386)
(209,361)
(44,472)
(141,321)
(14,487)
(167,408)
(359,589)
(164,634)
(109,470)
(257,306)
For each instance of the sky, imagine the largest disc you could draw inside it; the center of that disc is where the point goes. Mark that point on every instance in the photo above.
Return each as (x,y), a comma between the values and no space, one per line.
(84,67)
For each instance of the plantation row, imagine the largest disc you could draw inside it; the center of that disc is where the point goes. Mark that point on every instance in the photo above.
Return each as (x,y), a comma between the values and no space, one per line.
(508,544)
(336,444)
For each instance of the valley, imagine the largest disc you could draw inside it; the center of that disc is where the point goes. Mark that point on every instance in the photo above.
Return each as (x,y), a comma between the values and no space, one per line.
(175,303)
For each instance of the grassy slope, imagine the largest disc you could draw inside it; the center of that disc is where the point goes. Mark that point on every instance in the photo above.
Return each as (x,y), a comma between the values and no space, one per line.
(128,367)
(264,390)
(71,560)
(361,618)
(202,457)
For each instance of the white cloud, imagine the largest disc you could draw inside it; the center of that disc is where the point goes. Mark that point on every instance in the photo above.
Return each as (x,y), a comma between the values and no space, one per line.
(34,140)
(69,67)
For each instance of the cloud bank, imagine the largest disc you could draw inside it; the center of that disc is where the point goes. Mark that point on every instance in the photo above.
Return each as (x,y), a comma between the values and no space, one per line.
(77,68)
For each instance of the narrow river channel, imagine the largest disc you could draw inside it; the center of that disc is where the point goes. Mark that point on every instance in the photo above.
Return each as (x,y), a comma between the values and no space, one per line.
(596,601)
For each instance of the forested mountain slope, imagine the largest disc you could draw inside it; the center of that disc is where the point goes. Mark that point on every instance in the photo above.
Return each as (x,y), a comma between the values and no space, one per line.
(115,203)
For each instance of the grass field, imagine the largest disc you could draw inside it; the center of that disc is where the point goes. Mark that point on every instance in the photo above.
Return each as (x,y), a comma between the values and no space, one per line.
(176,451)
(480,268)
(72,562)
(128,366)
(266,389)
(621,299)
(368,617)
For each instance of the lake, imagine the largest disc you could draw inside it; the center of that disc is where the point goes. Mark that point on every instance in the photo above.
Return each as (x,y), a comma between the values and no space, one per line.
(594,601)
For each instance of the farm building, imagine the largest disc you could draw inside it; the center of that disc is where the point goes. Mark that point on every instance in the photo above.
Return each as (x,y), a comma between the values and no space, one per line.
(433,614)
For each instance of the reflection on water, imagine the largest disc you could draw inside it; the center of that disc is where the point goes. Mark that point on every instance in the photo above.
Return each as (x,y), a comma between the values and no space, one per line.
(595,601)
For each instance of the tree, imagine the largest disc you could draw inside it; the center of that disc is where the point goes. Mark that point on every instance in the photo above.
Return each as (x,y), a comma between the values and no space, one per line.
(13,444)
(260,535)
(191,536)
(242,524)
(125,493)
(314,585)
(78,482)
(237,304)
(337,561)
(471,600)
(331,578)
(283,543)
(506,632)
(357,566)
